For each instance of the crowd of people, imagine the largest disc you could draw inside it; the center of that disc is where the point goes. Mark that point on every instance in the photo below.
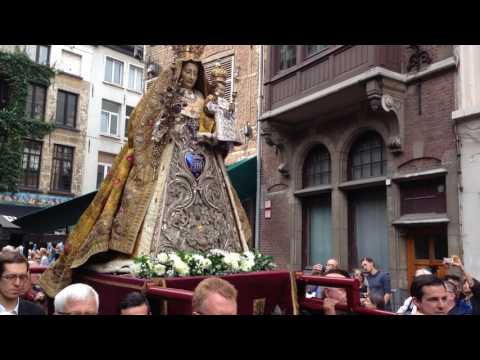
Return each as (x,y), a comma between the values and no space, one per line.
(430,295)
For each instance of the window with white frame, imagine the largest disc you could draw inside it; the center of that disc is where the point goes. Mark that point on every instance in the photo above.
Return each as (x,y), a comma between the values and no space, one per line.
(102,172)
(71,63)
(39,53)
(114,71)
(110,118)
(135,78)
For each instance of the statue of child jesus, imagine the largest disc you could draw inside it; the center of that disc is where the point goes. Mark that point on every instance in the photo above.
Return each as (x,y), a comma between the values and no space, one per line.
(222,110)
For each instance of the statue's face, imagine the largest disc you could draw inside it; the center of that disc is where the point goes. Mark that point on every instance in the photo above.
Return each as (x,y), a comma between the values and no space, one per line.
(220,89)
(189,75)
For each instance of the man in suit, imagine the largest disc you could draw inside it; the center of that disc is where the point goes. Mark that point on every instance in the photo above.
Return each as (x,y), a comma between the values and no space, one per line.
(14,274)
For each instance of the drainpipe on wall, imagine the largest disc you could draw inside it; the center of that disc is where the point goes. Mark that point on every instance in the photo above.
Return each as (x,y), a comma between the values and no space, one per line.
(259,152)
(458,147)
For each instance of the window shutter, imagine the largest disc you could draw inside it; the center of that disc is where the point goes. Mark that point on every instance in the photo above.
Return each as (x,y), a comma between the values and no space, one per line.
(228,64)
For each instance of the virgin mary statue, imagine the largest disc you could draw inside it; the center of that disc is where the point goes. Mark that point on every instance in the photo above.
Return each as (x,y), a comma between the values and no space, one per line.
(167,189)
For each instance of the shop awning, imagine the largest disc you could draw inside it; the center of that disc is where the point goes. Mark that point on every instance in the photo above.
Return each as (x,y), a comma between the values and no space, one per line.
(421,219)
(56,217)
(243,175)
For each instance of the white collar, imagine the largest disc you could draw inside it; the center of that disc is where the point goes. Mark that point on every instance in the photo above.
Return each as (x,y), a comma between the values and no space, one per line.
(3,311)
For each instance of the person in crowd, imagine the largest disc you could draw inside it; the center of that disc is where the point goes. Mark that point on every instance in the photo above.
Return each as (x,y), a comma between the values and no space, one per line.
(408,307)
(135,303)
(332,296)
(214,296)
(471,287)
(429,295)
(319,270)
(77,299)
(14,275)
(377,280)
(358,274)
(374,300)
(43,257)
(456,305)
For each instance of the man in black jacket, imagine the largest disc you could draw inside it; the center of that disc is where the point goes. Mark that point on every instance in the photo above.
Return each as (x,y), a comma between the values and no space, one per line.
(14,274)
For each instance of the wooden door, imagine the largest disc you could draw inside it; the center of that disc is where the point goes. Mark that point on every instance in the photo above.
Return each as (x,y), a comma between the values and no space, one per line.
(426,248)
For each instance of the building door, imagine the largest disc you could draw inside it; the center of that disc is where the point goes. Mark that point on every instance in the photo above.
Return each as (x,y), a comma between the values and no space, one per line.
(426,248)
(317,230)
(368,231)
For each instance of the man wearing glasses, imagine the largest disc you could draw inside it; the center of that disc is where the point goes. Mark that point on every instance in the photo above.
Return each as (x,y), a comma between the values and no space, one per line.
(14,278)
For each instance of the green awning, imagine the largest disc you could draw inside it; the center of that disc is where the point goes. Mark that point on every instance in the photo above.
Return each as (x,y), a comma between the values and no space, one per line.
(243,175)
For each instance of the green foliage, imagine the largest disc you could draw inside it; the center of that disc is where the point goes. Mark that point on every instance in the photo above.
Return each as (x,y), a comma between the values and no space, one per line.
(17,70)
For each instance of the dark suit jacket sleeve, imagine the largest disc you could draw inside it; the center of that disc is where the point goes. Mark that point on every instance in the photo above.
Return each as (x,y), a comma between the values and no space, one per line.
(29,308)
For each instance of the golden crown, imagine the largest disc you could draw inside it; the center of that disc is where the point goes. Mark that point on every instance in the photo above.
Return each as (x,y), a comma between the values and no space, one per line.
(188,52)
(219,74)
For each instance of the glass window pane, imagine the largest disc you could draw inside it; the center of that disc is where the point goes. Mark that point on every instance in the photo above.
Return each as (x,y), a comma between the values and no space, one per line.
(71,110)
(110,106)
(104,122)
(440,245)
(118,73)
(28,106)
(43,54)
(113,124)
(139,82)
(313,49)
(108,70)
(39,102)
(287,56)
(100,172)
(61,99)
(131,77)
(421,248)
(367,153)
(320,231)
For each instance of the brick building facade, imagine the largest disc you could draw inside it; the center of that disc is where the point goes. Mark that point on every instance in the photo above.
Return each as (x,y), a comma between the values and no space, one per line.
(358,157)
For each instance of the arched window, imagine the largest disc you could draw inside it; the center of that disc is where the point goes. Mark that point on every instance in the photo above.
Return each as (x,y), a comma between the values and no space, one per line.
(316,169)
(367,157)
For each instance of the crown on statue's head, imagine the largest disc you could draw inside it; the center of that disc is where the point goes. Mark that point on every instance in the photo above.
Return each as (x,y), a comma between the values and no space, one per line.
(188,52)
(219,74)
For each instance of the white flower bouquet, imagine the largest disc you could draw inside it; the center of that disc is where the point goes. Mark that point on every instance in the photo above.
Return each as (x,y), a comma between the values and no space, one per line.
(214,262)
